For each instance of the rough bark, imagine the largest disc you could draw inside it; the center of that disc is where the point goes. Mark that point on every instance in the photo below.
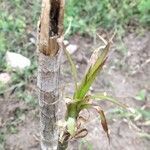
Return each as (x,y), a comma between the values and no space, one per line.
(50,37)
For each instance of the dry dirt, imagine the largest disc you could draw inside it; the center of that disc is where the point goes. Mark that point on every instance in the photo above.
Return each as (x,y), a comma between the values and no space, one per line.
(124,75)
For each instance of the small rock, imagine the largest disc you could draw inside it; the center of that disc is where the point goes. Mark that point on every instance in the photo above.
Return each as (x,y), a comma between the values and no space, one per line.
(72,48)
(5,78)
(32,40)
(17,61)
(66,42)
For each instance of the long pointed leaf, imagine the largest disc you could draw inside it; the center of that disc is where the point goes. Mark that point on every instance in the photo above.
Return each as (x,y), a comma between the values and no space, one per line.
(107,98)
(73,68)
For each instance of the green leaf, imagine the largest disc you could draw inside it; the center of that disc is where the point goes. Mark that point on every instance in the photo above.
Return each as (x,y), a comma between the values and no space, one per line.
(107,98)
(84,106)
(91,74)
(73,68)
(141,95)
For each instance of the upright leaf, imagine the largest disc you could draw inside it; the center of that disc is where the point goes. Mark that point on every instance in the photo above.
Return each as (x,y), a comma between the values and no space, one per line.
(73,68)
(91,74)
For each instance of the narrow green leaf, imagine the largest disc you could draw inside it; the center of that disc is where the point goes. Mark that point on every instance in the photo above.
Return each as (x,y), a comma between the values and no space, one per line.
(107,98)
(73,68)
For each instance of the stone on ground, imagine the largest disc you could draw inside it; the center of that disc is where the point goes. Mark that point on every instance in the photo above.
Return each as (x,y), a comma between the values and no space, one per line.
(4,78)
(72,48)
(17,61)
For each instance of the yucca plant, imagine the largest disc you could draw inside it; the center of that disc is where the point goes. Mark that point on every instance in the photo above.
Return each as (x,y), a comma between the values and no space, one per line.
(82,100)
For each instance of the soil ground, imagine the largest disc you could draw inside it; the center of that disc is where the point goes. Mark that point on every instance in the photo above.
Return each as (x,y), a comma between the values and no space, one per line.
(124,75)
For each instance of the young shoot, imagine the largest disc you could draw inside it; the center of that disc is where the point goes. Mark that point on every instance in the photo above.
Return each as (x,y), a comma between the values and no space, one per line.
(82,100)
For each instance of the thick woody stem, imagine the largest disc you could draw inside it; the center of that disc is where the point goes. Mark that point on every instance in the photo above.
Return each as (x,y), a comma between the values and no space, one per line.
(49,46)
(48,84)
(50,26)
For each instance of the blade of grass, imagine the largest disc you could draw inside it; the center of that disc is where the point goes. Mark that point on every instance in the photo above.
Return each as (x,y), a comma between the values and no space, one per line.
(101,97)
(73,68)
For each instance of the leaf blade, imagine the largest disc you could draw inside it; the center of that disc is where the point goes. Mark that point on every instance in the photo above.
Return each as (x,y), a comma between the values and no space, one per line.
(108,98)
(73,67)
(91,74)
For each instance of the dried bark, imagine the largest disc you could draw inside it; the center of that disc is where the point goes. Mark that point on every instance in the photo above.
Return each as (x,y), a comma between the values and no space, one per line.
(50,37)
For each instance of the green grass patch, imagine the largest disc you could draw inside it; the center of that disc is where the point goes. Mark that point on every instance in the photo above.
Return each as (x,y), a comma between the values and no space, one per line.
(86,16)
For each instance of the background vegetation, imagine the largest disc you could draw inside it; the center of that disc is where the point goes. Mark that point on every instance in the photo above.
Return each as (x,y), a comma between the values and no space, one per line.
(19,17)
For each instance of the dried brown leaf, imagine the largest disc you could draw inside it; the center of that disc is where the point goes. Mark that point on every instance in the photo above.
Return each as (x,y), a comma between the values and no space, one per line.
(81,134)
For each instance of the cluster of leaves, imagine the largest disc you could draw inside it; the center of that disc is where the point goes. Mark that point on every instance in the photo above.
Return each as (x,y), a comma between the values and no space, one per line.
(82,100)
(144,10)
(87,16)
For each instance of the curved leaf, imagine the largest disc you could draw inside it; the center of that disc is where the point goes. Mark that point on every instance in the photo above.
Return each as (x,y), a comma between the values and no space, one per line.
(107,98)
(73,68)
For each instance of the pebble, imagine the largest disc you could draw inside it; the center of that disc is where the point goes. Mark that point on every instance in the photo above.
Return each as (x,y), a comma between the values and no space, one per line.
(72,48)
(66,42)
(4,78)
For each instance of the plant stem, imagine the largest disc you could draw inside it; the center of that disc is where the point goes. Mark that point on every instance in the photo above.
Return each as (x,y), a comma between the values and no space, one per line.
(62,146)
